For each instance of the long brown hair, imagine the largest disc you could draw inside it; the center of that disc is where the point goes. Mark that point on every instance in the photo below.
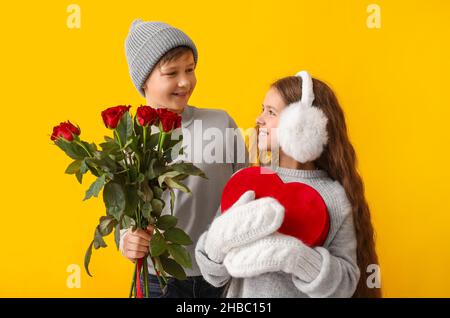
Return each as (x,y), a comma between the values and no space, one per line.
(339,160)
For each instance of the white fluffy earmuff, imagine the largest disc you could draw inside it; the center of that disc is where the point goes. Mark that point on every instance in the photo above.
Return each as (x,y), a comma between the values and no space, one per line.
(302,130)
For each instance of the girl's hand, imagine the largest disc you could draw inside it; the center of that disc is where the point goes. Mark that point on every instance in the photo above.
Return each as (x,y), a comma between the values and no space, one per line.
(135,244)
(245,222)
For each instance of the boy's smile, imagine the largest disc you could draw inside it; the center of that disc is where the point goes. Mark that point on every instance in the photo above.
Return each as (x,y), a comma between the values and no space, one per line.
(170,85)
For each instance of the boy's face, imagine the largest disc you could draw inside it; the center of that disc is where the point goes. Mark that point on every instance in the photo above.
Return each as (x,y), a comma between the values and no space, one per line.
(171,84)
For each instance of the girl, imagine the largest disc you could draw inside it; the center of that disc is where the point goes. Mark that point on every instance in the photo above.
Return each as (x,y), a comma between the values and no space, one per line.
(255,260)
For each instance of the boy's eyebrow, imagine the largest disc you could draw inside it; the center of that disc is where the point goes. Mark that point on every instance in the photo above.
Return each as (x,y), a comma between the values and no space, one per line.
(175,67)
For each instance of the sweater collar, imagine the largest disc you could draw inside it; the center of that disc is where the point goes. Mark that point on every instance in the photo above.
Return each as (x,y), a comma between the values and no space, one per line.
(305,174)
(187,116)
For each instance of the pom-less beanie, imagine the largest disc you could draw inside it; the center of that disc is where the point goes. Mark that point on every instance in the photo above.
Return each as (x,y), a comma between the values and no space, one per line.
(146,43)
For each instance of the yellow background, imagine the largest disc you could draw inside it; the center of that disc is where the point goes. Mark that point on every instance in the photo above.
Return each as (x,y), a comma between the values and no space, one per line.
(392,82)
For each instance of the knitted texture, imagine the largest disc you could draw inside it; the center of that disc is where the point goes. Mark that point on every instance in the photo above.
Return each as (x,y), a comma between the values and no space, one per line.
(277,252)
(246,221)
(330,270)
(146,43)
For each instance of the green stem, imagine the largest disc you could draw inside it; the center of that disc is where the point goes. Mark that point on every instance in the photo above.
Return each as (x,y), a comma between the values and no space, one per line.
(144,134)
(146,277)
(161,143)
(157,275)
(133,281)
(125,154)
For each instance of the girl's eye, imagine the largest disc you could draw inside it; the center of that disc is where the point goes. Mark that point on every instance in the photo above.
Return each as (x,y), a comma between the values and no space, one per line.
(190,70)
(271,113)
(171,74)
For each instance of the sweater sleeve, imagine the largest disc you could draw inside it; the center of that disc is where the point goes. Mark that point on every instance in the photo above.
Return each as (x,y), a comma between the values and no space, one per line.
(331,272)
(214,273)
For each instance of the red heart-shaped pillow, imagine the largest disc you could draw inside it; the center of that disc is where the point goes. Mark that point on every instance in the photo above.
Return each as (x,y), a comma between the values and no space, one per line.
(306,216)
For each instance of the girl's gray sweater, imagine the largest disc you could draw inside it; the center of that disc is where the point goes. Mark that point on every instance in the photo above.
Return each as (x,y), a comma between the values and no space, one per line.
(332,269)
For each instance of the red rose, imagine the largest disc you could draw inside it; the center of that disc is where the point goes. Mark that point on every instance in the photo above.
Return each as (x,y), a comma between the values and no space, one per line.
(65,130)
(146,116)
(169,120)
(112,115)
(178,122)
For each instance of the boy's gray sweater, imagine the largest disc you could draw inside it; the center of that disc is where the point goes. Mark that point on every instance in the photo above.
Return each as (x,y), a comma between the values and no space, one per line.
(332,269)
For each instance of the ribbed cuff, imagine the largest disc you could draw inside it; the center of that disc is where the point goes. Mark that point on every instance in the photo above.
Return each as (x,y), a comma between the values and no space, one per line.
(308,264)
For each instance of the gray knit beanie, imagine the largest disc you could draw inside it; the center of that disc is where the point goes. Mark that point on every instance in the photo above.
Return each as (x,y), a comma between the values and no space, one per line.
(147,43)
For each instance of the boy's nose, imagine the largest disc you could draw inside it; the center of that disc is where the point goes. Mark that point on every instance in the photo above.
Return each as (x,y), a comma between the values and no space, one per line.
(183,83)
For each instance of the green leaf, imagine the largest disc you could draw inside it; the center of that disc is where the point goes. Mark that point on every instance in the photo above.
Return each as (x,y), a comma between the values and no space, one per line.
(158,192)
(132,201)
(79,176)
(74,167)
(177,236)
(173,268)
(83,167)
(157,206)
(127,222)
(135,144)
(108,139)
(188,168)
(98,239)
(166,222)
(109,147)
(150,174)
(146,210)
(92,146)
(157,244)
(95,187)
(140,178)
(133,173)
(129,142)
(170,174)
(87,258)
(146,193)
(180,255)
(71,149)
(106,225)
(152,141)
(117,235)
(114,199)
(125,128)
(172,200)
(173,183)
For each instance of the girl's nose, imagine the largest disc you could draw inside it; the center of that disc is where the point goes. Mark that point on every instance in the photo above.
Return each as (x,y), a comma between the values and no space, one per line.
(259,121)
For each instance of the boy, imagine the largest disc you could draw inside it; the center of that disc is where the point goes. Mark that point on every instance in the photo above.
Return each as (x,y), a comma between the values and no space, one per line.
(162,61)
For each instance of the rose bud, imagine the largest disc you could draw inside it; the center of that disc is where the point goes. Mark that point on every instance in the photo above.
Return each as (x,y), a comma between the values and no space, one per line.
(65,130)
(168,119)
(112,115)
(146,116)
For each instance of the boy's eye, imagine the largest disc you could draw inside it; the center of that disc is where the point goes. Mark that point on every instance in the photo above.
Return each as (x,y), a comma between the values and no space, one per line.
(190,70)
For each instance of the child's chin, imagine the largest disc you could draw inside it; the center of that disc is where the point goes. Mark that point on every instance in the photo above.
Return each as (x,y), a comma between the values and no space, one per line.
(178,107)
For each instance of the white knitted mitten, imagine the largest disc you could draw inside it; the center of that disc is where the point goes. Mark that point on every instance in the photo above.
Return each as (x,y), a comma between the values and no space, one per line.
(274,253)
(246,221)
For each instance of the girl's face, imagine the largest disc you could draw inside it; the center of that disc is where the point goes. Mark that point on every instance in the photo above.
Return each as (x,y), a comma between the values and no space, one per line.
(267,121)
(171,84)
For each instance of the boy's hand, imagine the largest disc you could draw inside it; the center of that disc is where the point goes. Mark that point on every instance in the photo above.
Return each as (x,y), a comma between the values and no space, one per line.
(135,244)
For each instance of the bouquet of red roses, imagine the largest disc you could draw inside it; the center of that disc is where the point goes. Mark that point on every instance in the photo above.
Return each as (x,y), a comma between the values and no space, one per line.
(134,168)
